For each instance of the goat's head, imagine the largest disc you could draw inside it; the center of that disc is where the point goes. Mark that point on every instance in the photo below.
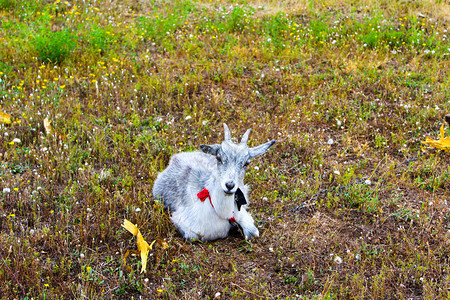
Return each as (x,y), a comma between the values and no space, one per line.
(233,159)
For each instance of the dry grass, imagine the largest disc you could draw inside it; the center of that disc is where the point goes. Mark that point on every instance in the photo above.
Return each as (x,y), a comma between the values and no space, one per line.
(348,90)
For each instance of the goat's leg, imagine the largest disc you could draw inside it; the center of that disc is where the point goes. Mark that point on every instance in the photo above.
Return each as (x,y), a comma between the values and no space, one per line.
(245,220)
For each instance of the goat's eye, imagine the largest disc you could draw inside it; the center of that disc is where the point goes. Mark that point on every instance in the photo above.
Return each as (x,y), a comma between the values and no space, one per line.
(219,159)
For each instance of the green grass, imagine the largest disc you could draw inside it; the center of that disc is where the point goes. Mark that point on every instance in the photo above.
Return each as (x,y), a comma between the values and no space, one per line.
(54,47)
(126,85)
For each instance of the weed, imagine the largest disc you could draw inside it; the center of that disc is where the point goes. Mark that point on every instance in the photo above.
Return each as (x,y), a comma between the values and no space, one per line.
(161,27)
(276,30)
(54,47)
(101,39)
(239,19)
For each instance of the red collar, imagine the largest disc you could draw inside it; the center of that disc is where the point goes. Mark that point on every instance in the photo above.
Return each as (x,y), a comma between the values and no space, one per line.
(205,194)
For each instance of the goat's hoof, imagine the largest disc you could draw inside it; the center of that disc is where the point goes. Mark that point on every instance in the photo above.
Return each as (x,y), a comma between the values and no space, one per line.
(251,232)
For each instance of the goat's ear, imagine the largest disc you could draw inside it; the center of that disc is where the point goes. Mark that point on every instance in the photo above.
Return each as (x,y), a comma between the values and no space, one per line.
(210,149)
(261,149)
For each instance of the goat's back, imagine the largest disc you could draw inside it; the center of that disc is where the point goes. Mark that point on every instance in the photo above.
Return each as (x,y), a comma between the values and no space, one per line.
(185,176)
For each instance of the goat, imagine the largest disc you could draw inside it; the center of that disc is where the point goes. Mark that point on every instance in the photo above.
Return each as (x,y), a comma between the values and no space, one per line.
(217,174)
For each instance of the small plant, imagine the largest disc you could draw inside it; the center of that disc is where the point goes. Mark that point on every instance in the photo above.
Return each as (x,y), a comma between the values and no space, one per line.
(238,19)
(54,47)
(363,198)
(100,39)
(276,29)
(162,27)
(320,30)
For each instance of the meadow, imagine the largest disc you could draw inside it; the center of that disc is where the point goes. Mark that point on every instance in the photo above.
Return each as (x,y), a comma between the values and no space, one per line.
(96,96)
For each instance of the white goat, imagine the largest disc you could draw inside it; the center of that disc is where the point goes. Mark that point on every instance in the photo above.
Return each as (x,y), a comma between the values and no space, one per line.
(205,190)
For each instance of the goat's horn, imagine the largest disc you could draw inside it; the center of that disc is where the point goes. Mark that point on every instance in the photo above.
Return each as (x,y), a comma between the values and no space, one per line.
(227,132)
(244,139)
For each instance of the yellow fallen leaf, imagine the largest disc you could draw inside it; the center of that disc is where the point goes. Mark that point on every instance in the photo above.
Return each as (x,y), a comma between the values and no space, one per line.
(48,126)
(143,246)
(443,143)
(164,245)
(5,118)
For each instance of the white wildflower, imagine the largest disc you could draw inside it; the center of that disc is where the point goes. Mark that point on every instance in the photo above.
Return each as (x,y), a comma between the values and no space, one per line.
(338,260)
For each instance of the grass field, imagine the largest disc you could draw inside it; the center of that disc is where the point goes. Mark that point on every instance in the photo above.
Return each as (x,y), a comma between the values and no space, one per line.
(349,89)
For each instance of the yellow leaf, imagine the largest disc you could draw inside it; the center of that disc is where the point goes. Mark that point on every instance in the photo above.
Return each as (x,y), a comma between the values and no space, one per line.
(443,143)
(48,126)
(5,118)
(164,245)
(143,246)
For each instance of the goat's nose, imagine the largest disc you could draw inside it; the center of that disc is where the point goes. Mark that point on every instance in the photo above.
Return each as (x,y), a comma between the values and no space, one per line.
(229,185)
